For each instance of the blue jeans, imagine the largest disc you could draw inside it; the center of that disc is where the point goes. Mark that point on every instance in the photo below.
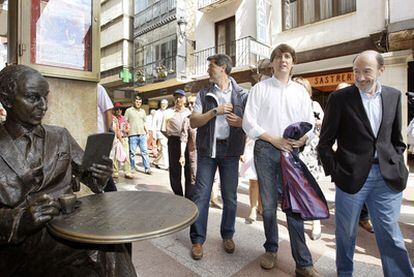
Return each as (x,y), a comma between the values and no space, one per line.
(206,169)
(267,163)
(384,207)
(134,142)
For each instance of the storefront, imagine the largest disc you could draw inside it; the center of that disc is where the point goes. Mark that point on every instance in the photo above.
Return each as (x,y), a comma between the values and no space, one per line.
(323,83)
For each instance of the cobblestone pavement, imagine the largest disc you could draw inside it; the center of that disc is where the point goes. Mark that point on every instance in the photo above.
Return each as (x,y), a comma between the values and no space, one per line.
(170,255)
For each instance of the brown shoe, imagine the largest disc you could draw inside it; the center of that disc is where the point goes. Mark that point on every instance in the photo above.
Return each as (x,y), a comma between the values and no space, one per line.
(308,271)
(197,251)
(268,260)
(129,176)
(229,246)
(366,225)
(214,203)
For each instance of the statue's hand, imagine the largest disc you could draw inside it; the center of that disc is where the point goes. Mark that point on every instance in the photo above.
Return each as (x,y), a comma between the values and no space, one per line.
(38,212)
(100,174)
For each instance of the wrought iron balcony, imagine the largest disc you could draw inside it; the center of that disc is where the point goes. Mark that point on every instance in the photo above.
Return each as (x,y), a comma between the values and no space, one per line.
(245,52)
(156,71)
(154,16)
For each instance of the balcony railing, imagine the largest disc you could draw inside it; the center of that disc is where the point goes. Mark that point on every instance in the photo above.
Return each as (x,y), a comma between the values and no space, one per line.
(206,5)
(156,71)
(244,52)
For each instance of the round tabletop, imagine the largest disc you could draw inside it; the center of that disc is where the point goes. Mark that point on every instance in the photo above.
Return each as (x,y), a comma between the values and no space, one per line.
(126,216)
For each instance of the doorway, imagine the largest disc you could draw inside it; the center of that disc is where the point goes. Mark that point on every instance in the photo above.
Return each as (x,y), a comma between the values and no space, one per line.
(226,37)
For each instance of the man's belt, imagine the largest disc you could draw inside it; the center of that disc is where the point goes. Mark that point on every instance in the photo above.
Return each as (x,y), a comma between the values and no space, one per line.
(221,141)
(374,161)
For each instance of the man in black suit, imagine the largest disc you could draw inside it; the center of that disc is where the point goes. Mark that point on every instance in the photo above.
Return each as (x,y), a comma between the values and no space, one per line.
(368,165)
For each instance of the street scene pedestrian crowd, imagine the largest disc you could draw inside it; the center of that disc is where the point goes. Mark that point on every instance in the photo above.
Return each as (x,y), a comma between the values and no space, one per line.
(274,135)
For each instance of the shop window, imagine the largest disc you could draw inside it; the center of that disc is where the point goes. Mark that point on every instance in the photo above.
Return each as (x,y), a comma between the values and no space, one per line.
(60,34)
(302,12)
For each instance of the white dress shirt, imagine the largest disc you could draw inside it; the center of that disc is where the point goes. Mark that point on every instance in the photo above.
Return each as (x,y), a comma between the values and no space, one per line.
(373,108)
(272,106)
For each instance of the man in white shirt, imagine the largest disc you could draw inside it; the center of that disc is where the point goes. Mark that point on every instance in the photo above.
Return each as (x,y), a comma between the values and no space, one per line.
(105,107)
(161,161)
(104,120)
(273,105)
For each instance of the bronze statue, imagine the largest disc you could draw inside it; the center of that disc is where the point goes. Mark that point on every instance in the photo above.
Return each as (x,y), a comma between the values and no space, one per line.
(38,164)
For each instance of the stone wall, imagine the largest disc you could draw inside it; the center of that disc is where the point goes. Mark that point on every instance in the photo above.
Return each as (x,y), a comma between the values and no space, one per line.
(73,105)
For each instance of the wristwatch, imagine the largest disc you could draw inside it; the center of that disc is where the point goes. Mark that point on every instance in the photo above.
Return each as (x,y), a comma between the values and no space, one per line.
(214,111)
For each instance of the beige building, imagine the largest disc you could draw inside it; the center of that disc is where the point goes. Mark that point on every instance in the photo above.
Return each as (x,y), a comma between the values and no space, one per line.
(239,28)
(164,39)
(117,18)
(326,34)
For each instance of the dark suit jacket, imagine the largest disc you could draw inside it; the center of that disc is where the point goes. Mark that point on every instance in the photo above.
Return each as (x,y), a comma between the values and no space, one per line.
(346,122)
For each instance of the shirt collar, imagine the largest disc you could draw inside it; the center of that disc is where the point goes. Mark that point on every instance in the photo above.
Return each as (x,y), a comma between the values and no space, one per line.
(279,83)
(18,131)
(217,88)
(377,91)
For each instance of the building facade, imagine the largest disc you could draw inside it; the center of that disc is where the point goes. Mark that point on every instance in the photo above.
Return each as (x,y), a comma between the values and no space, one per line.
(117,18)
(163,35)
(238,28)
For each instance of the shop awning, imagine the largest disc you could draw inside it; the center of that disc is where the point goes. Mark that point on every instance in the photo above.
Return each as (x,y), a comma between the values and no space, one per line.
(160,85)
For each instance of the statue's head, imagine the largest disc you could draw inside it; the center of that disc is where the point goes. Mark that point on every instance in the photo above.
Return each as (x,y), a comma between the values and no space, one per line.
(23,93)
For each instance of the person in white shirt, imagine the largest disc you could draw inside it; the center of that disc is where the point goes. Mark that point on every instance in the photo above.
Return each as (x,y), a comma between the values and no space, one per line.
(104,120)
(105,108)
(273,105)
(161,161)
(152,136)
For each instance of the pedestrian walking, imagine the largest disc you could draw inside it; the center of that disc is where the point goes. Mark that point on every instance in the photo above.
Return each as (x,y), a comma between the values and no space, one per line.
(368,164)
(188,137)
(104,120)
(121,129)
(218,113)
(137,136)
(161,161)
(272,106)
(364,220)
(177,147)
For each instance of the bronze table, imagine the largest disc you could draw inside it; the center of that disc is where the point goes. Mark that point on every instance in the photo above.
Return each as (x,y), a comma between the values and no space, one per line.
(126,216)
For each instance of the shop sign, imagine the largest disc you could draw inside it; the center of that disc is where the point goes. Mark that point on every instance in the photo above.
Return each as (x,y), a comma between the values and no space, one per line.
(331,79)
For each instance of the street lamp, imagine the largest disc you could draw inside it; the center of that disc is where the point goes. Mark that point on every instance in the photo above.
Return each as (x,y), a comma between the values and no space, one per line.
(181,48)
(182,24)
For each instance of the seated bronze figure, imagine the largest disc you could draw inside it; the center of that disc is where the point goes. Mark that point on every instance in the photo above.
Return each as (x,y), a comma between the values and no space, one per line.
(38,164)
